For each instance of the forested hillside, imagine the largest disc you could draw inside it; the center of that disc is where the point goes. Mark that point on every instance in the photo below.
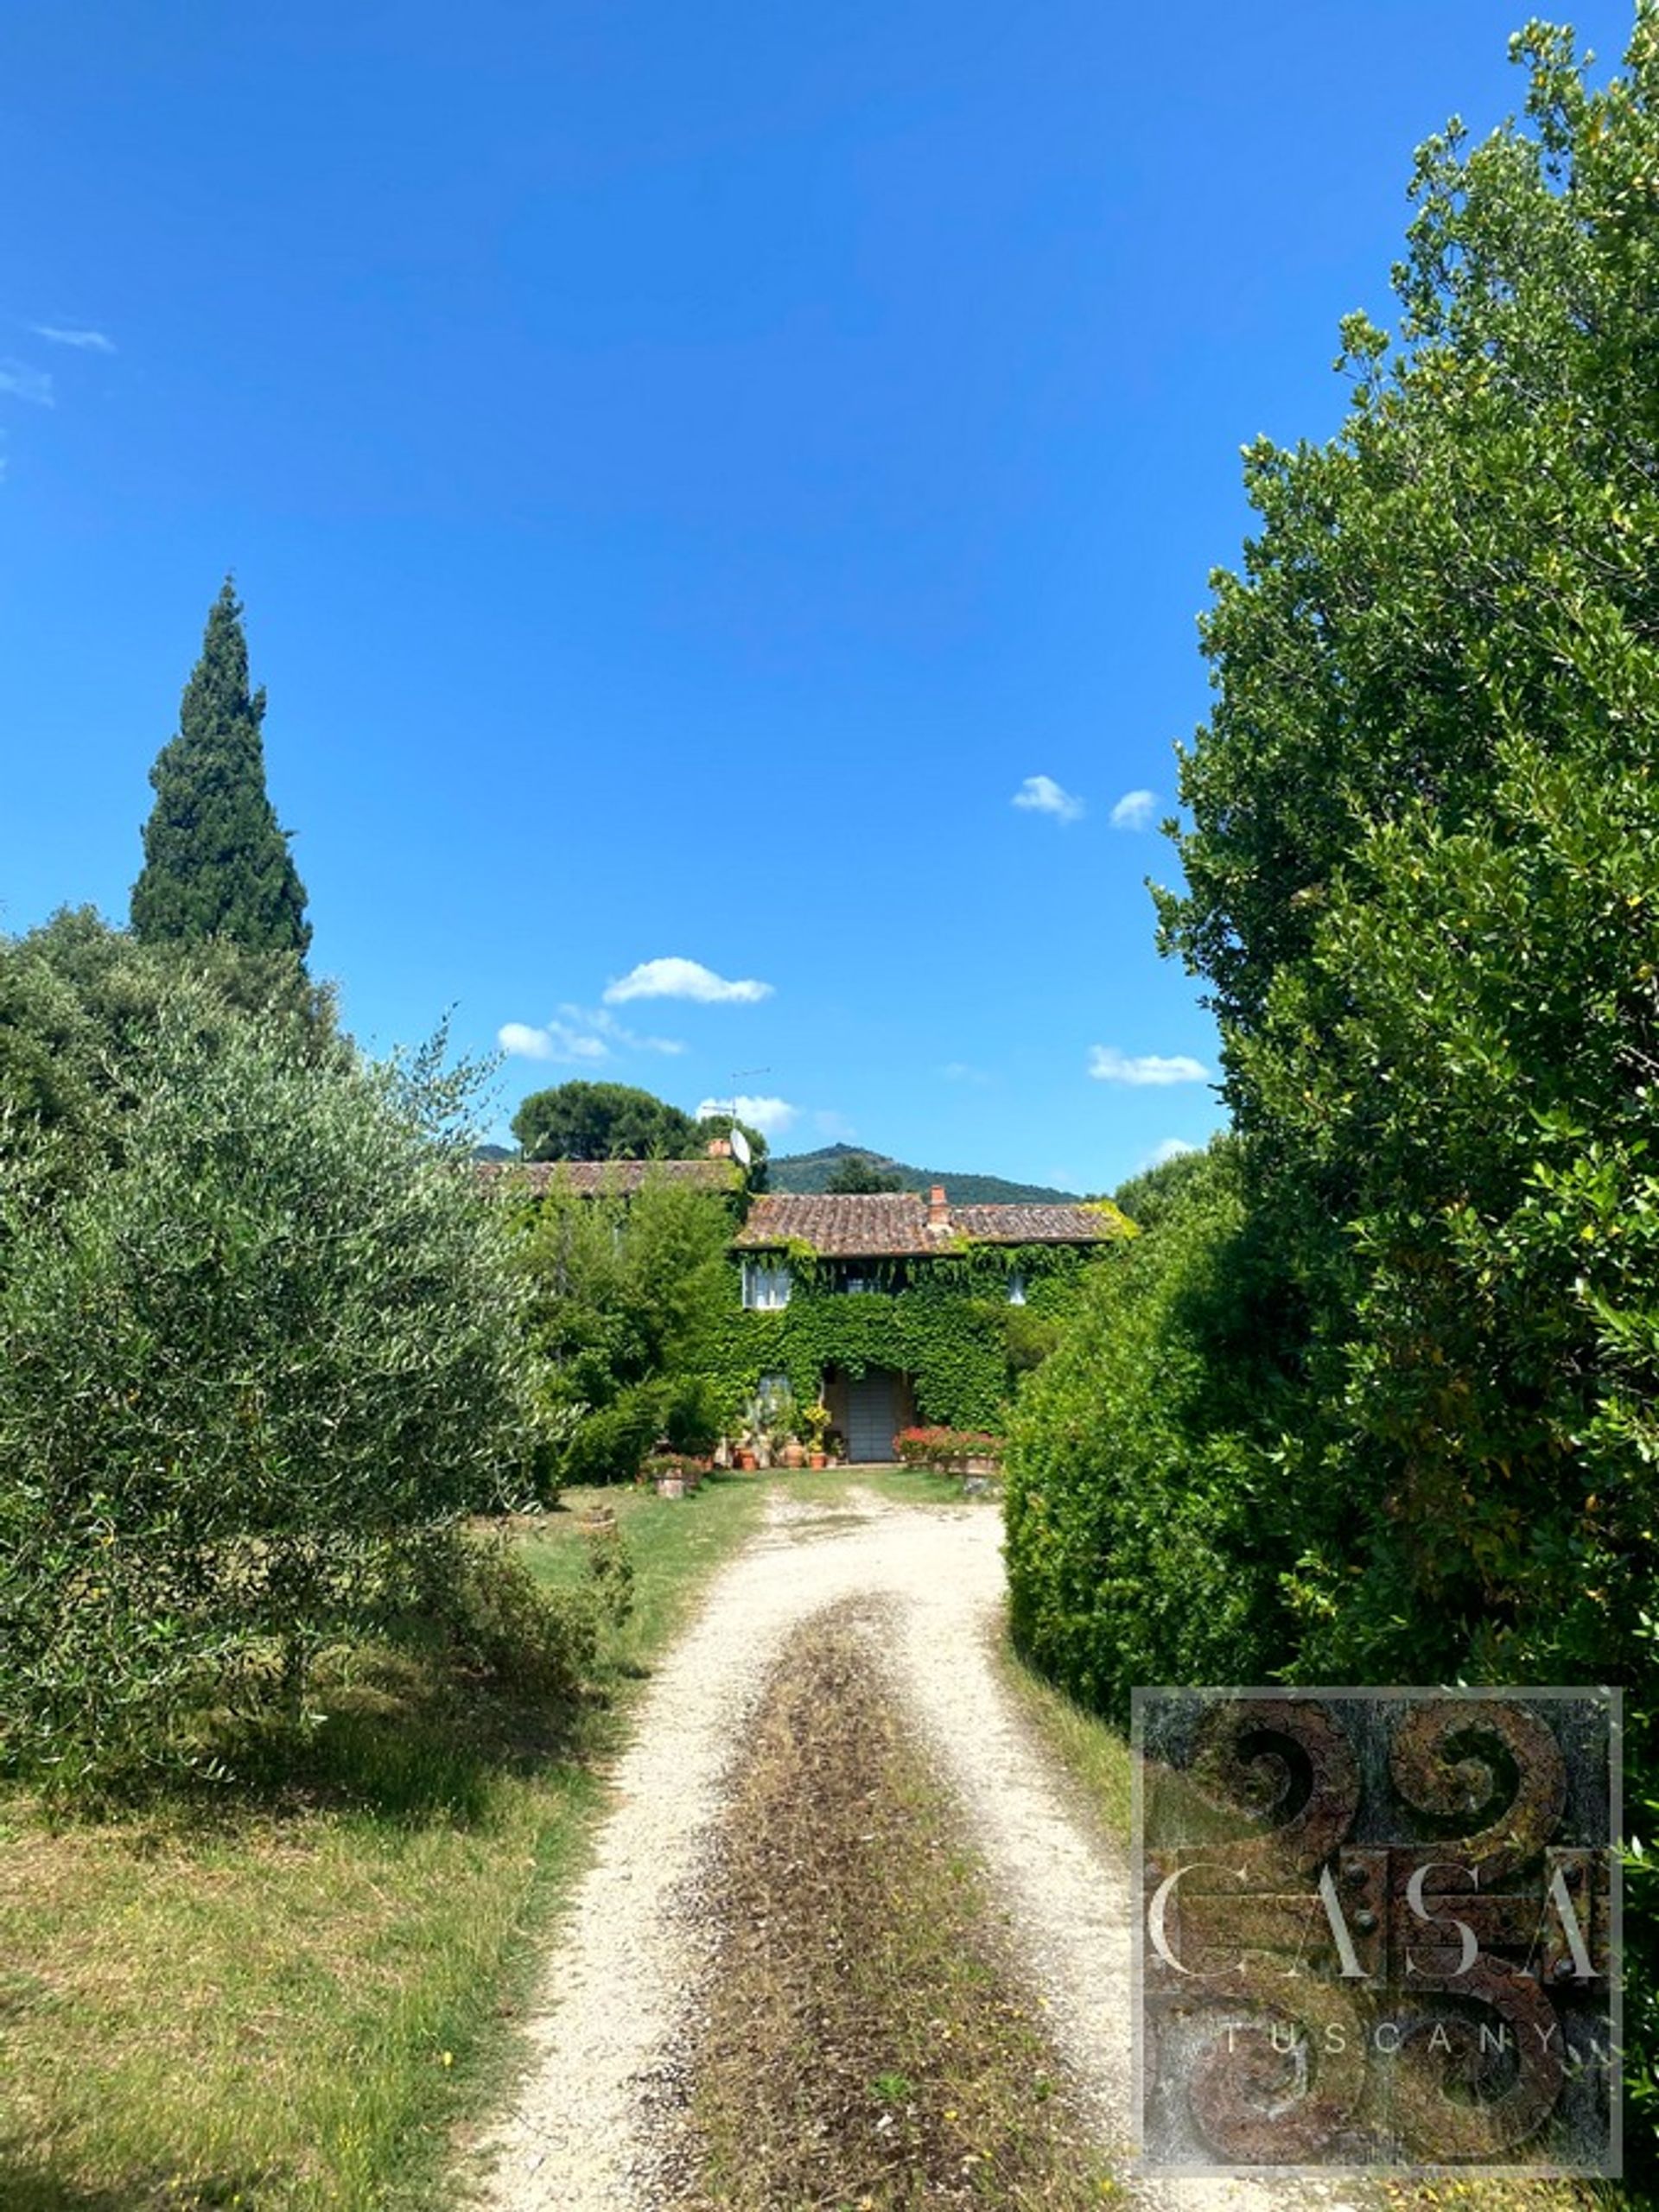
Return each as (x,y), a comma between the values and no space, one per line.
(809,1173)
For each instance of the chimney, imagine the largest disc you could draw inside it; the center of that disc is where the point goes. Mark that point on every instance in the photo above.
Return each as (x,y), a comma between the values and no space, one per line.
(720,1148)
(938,1214)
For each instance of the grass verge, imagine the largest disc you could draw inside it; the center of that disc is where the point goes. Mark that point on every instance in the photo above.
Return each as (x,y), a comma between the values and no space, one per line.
(288,2003)
(864,2047)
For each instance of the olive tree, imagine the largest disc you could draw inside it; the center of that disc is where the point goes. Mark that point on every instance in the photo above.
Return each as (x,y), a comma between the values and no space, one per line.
(250,1371)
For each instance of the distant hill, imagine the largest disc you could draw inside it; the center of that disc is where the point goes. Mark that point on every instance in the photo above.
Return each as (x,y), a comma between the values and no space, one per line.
(494,1152)
(806,1172)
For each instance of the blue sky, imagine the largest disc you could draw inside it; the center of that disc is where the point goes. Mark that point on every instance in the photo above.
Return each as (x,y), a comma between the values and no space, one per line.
(691,472)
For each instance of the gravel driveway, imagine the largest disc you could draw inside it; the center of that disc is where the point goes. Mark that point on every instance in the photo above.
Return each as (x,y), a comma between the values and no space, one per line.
(596,2104)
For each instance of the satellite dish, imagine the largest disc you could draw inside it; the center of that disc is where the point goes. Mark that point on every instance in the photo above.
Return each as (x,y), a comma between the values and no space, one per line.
(739,1144)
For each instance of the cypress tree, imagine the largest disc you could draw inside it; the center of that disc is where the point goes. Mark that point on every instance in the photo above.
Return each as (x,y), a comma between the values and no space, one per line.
(216,861)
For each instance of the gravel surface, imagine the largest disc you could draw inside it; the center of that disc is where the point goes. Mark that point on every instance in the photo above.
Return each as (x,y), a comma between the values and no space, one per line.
(617,2009)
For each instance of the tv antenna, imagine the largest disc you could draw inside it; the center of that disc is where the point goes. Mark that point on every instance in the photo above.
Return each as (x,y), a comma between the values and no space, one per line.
(742,1151)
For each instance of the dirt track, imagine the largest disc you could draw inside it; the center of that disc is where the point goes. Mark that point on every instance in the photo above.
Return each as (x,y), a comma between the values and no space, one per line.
(596,2105)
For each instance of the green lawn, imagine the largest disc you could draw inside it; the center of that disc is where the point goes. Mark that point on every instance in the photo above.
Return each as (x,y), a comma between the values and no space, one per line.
(291,2004)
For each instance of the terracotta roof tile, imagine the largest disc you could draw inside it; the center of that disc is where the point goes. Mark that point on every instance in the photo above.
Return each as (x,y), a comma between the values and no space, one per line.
(862,1228)
(593,1178)
(886,1227)
(1034,1224)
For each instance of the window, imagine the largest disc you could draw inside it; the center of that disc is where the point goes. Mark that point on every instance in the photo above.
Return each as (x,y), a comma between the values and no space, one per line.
(772,1395)
(854,1278)
(766,1286)
(1016,1286)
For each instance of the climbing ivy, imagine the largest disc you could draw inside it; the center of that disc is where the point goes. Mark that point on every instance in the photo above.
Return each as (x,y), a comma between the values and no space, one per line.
(945,1321)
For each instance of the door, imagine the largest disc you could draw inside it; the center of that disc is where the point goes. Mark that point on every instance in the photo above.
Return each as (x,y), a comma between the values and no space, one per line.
(872,1416)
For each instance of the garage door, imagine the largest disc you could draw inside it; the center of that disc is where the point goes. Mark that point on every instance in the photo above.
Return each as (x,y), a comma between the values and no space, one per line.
(872,1416)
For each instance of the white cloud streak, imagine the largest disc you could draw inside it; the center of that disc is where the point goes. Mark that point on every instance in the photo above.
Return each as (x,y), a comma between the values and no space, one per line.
(556,1041)
(19,381)
(1107,1064)
(1135,810)
(772,1116)
(1042,795)
(1170,1148)
(578,1034)
(84,341)
(683,979)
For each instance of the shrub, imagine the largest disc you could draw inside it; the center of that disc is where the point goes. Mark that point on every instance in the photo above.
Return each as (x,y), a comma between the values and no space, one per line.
(527,1638)
(1140,1493)
(609,1443)
(619,1287)
(610,1574)
(247,1370)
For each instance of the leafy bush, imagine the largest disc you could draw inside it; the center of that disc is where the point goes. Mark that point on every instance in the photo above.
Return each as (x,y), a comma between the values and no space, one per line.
(529,1639)
(249,1367)
(610,1574)
(1422,886)
(620,1291)
(1140,1484)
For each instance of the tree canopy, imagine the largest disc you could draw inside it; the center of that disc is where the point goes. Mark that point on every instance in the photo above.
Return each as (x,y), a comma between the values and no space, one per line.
(1421,889)
(216,862)
(616,1121)
(602,1121)
(858,1175)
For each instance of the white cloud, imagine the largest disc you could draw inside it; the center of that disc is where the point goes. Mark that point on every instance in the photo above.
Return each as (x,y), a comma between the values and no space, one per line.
(576,1033)
(1171,1148)
(1135,810)
(963,1071)
(19,381)
(772,1116)
(1042,795)
(607,1024)
(86,341)
(1107,1064)
(558,1042)
(683,979)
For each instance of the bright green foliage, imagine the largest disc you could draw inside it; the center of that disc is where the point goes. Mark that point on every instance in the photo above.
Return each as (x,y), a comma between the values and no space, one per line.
(216,863)
(80,1004)
(1146,1526)
(623,1289)
(1148,1197)
(252,1368)
(950,1327)
(616,1121)
(1423,889)
(603,1121)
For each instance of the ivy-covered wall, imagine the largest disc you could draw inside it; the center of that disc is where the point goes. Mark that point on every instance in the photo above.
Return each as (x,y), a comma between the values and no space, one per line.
(948,1326)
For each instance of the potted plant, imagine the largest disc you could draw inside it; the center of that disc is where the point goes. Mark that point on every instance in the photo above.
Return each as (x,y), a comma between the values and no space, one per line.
(814,1418)
(779,1417)
(834,1446)
(666,1475)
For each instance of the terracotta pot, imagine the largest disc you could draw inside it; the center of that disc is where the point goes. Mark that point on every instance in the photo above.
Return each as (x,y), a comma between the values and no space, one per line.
(745,1461)
(794,1456)
(670,1485)
(815,1459)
